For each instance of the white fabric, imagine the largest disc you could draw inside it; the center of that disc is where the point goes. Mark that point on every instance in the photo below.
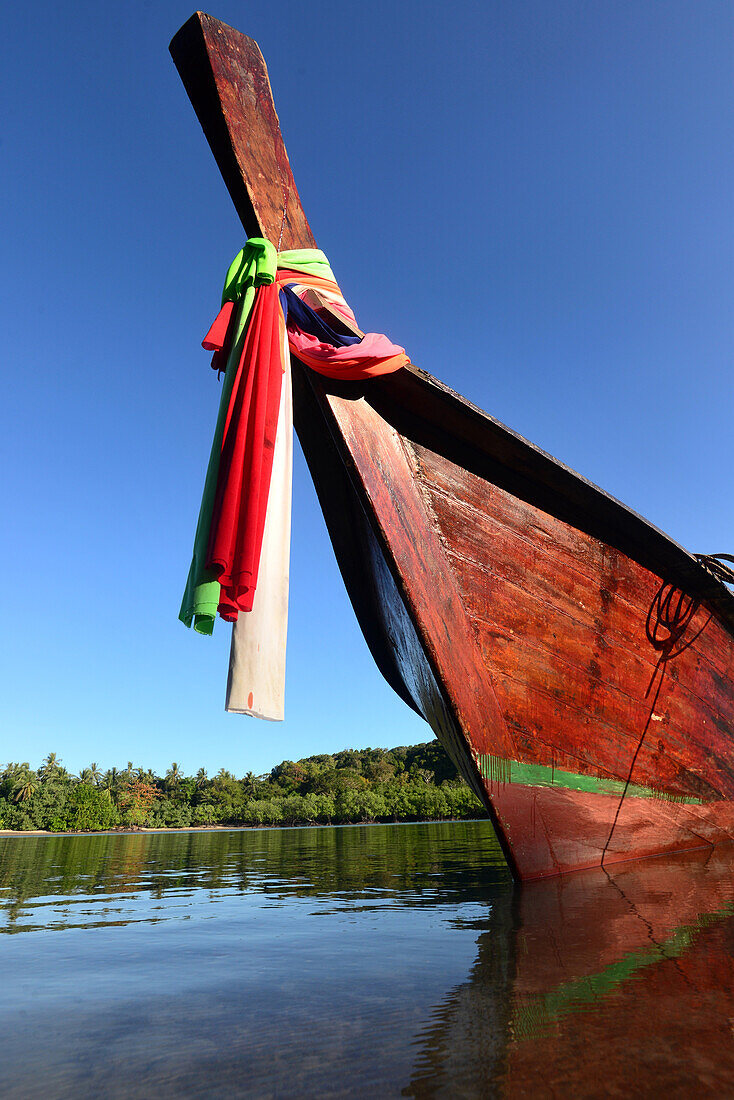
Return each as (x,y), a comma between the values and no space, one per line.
(256,681)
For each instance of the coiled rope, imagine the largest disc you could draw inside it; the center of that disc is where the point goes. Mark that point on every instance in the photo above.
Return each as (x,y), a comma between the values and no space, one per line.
(715,564)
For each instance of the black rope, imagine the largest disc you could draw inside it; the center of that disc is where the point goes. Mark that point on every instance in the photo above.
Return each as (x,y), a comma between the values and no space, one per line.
(715,565)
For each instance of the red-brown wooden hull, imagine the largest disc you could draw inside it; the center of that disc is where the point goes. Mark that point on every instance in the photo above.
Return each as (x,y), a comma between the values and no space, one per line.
(594,740)
(577,665)
(554,830)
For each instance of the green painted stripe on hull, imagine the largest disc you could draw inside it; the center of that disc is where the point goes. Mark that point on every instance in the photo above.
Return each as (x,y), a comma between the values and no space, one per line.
(496,769)
(534,1013)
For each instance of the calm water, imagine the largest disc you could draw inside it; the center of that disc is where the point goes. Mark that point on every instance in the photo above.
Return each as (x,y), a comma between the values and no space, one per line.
(367,961)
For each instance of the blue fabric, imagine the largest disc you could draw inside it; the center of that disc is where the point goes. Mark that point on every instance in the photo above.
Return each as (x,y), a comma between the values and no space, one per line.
(308,320)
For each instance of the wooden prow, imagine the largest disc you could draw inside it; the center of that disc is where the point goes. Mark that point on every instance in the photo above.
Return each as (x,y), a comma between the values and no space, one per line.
(417,631)
(505,598)
(226,79)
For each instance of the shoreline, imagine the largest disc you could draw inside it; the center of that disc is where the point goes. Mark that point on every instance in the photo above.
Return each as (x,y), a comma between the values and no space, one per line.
(134,830)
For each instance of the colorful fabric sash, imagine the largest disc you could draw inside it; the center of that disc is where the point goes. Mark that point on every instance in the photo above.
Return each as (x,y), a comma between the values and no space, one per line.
(272,304)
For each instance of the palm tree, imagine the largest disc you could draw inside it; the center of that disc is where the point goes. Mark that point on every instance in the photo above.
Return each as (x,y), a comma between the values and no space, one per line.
(50,768)
(109,782)
(249,784)
(201,777)
(173,776)
(85,776)
(26,785)
(95,773)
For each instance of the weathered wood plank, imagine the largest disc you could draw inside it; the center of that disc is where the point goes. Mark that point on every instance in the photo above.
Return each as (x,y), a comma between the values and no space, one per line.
(564,637)
(565,580)
(226,79)
(384,476)
(470,516)
(437,418)
(561,711)
(607,637)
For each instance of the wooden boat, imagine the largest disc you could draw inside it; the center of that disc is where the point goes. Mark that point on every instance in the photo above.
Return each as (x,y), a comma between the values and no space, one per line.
(575,662)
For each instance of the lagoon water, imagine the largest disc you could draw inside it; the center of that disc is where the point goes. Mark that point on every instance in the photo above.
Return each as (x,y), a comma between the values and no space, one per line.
(386,960)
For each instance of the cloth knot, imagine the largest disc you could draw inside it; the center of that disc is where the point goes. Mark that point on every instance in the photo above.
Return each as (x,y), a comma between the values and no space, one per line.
(254,265)
(273,305)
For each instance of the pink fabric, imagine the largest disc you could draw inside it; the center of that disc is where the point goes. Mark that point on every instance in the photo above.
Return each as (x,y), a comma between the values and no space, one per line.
(373,355)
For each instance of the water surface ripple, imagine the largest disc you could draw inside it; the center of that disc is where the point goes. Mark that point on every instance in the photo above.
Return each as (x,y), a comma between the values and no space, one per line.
(360,961)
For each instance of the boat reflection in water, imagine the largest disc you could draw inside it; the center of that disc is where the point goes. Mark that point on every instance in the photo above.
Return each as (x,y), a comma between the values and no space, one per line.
(360,961)
(618,982)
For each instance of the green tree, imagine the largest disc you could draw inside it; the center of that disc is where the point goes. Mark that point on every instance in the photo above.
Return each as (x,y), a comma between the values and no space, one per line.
(51,769)
(288,775)
(249,785)
(88,810)
(403,783)
(173,777)
(204,814)
(25,787)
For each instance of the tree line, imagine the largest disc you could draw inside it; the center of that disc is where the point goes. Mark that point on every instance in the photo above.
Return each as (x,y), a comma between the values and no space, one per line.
(414,783)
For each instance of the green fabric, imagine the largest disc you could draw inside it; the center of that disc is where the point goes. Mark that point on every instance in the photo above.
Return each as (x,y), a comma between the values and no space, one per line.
(254,265)
(309,260)
(201,595)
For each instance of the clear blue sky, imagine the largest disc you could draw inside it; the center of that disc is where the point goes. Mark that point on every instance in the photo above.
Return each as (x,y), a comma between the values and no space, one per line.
(534,198)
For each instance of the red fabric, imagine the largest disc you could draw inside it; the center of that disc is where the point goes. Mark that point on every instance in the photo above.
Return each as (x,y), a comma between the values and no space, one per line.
(219,337)
(251,424)
(216,336)
(246,460)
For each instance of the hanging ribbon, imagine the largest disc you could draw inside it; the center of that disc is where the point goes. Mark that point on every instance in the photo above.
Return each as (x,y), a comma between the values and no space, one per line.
(265,294)
(273,305)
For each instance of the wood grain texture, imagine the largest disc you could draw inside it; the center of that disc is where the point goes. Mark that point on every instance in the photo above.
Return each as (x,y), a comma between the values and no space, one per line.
(562,621)
(505,598)
(397,575)
(565,641)
(227,82)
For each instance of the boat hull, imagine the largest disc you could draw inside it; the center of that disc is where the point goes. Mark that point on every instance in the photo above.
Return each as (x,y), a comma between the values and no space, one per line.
(594,724)
(576,664)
